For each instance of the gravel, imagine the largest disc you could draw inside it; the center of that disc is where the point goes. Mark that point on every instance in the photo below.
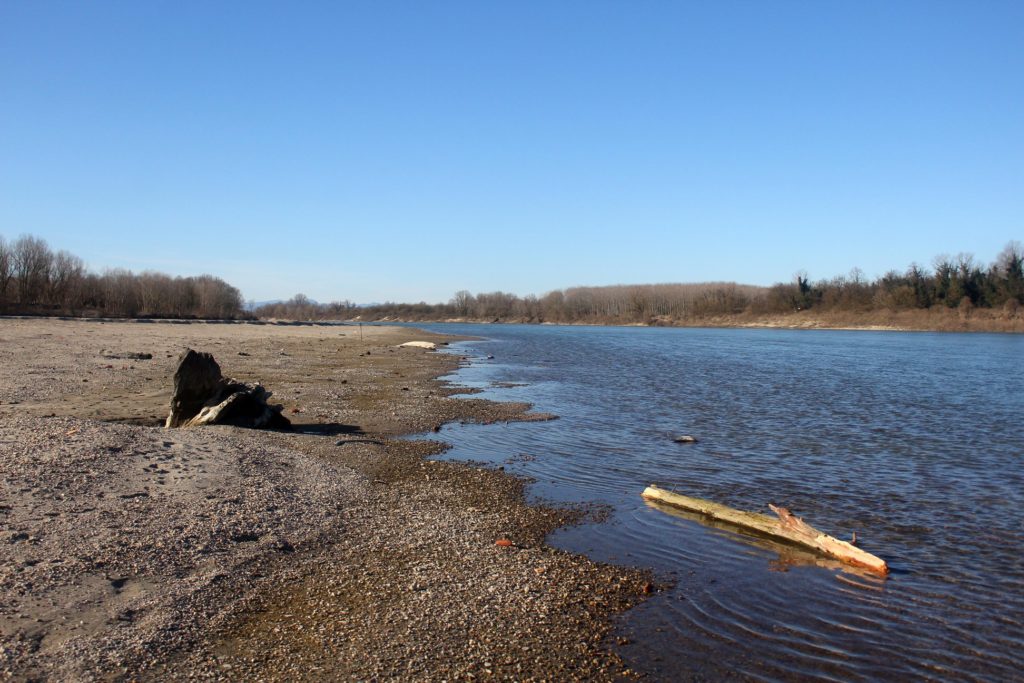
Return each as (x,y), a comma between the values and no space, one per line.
(335,552)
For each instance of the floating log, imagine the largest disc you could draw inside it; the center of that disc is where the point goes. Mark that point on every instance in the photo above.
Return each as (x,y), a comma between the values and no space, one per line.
(785,527)
(788,554)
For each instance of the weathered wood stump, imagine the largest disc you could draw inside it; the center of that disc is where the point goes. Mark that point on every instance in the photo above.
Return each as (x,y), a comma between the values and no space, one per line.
(203,396)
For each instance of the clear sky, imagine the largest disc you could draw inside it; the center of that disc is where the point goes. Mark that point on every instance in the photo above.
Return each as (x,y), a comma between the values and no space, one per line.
(405,150)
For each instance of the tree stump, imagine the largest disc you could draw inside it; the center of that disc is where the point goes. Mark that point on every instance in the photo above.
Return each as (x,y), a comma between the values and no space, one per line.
(203,396)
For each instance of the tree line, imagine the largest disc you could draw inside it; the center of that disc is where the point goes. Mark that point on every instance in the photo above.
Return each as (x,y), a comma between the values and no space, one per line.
(613,304)
(301,307)
(958,282)
(36,280)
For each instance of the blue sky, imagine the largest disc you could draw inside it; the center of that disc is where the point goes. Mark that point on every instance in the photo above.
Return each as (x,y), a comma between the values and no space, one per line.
(405,150)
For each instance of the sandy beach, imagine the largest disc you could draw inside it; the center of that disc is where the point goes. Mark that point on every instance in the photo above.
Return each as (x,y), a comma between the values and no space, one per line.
(335,551)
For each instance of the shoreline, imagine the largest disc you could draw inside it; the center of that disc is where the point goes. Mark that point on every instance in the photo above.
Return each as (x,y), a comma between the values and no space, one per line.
(334,551)
(938,320)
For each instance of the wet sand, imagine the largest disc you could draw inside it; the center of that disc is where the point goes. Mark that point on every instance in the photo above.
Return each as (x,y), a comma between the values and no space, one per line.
(335,551)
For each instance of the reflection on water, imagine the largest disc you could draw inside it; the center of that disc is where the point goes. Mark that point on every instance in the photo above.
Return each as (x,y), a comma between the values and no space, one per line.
(913,441)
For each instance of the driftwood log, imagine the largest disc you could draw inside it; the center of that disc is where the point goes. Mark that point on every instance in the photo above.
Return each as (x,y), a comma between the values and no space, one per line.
(785,527)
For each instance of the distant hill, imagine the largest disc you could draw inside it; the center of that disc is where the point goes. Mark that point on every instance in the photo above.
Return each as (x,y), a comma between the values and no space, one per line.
(253,305)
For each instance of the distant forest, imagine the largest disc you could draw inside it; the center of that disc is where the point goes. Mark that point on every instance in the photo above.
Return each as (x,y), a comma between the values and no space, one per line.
(958,282)
(35,280)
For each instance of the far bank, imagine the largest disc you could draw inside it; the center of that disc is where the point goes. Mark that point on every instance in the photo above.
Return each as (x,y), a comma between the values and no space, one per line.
(923,320)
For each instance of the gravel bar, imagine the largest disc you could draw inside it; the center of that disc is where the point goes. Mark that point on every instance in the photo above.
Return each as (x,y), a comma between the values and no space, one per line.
(333,552)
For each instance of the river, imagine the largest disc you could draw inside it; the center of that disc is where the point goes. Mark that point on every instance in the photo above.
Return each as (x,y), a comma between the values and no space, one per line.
(915,441)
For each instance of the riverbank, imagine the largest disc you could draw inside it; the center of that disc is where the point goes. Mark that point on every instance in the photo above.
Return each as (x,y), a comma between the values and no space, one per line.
(334,551)
(935,319)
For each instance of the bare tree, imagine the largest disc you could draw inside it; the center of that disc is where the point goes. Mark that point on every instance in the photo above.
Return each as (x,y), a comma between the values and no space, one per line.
(120,293)
(6,268)
(31,261)
(1011,258)
(463,303)
(66,271)
(217,299)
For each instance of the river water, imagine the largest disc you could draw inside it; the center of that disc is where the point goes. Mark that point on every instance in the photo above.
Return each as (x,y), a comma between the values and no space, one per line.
(913,440)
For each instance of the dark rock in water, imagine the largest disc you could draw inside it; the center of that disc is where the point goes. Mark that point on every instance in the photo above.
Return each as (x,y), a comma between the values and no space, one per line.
(685,438)
(202,396)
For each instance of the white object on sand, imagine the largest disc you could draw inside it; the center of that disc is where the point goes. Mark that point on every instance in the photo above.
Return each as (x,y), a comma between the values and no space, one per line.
(421,345)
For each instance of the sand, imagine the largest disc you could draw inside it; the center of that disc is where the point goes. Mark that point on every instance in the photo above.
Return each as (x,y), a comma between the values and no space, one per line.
(334,552)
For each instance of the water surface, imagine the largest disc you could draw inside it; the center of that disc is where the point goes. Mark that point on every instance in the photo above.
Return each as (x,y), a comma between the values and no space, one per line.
(913,440)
